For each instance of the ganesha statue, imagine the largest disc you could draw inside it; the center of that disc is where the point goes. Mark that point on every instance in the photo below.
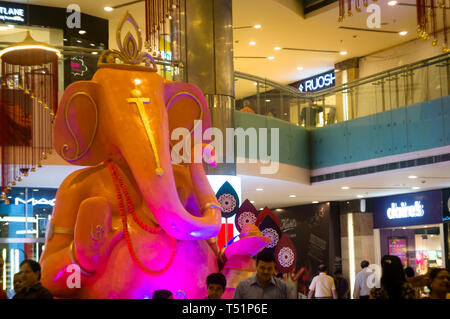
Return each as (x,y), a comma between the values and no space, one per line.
(132,221)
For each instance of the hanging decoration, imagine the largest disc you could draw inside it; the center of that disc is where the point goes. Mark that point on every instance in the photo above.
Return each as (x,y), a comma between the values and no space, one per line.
(246,214)
(270,228)
(29,98)
(357,4)
(228,200)
(285,255)
(162,27)
(429,12)
(428,15)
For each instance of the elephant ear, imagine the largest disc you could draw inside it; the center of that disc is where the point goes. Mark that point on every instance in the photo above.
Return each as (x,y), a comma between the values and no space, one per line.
(75,131)
(186,104)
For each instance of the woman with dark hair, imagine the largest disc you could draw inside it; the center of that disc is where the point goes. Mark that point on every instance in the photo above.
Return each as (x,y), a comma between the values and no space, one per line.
(439,283)
(393,281)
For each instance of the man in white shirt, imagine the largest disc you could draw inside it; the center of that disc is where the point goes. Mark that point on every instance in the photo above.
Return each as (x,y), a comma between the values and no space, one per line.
(361,290)
(322,285)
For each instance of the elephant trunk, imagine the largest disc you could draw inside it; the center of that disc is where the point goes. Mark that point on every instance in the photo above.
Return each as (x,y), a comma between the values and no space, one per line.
(161,197)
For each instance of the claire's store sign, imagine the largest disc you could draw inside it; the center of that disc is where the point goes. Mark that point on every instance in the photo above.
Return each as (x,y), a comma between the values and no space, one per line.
(424,208)
(14,13)
(405,211)
(318,82)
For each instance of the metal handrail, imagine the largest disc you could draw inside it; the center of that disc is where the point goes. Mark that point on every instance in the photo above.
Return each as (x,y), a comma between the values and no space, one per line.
(382,75)
(286,88)
(349,85)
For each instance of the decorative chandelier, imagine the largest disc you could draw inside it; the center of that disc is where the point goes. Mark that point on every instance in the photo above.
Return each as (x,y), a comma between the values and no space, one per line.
(161,19)
(428,14)
(29,98)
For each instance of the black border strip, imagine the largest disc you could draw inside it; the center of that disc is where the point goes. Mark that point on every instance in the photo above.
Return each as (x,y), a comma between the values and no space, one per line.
(381,168)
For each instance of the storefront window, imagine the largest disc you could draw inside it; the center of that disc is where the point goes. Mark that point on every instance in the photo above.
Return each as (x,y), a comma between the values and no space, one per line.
(417,247)
(23,224)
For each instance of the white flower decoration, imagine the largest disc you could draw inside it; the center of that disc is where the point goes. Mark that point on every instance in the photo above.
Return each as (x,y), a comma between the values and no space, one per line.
(286,257)
(270,232)
(227,202)
(246,218)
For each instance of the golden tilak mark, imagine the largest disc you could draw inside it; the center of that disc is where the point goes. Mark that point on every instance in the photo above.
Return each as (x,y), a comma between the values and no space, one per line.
(139,100)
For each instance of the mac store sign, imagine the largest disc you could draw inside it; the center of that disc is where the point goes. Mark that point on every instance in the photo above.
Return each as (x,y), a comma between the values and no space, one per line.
(415,209)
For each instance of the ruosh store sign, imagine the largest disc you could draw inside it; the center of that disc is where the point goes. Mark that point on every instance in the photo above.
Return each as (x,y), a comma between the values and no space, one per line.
(10,12)
(318,82)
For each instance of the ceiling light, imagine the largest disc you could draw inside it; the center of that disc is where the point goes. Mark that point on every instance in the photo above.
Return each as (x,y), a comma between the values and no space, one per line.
(416,187)
(315,202)
(260,189)
(402,33)
(267,100)
(21,193)
(392,3)
(257,26)
(345,187)
(79,41)
(82,32)
(271,57)
(279,210)
(292,196)
(300,68)
(65,39)
(252,43)
(252,201)
(108,9)
(403,227)
(343,53)
(94,53)
(35,190)
(137,81)
(360,196)
(412,176)
(261,208)
(92,45)
(255,83)
(277,48)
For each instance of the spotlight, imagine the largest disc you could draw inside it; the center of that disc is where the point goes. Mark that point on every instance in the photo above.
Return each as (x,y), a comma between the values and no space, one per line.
(108,9)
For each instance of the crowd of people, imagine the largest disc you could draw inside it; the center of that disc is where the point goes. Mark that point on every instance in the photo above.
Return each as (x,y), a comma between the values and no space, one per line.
(395,283)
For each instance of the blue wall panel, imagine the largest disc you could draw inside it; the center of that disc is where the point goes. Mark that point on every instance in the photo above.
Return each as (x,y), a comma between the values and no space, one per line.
(399,132)
(361,137)
(425,125)
(416,127)
(293,140)
(330,145)
(406,129)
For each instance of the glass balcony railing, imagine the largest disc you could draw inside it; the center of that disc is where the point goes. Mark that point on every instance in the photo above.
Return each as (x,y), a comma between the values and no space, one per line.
(406,85)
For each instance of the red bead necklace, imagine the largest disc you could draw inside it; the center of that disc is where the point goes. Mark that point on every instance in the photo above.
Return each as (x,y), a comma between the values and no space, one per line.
(120,186)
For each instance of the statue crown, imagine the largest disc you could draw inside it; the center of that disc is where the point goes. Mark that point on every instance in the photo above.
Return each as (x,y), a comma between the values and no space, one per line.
(130,54)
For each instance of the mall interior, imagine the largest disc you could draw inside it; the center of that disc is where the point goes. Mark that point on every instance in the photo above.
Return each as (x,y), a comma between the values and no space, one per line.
(340,152)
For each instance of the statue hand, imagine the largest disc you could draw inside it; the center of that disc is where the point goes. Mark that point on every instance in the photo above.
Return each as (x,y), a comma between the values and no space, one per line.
(94,237)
